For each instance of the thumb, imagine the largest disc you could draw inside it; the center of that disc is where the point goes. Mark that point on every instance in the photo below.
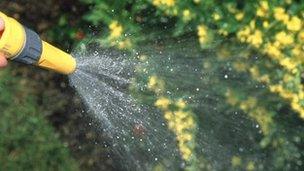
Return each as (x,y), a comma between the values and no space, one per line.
(3,61)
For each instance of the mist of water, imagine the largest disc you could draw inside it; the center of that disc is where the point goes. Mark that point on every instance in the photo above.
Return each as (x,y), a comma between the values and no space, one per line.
(138,132)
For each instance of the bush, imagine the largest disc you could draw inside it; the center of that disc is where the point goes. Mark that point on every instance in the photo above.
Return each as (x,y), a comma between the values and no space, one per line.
(255,118)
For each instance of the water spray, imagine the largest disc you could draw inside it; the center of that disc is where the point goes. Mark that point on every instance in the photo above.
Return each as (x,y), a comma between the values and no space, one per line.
(137,133)
(21,44)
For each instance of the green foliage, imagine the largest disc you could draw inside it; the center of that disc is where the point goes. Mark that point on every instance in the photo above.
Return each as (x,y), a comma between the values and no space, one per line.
(27,140)
(252,53)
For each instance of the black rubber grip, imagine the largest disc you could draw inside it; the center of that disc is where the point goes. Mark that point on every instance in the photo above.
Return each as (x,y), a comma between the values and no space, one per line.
(32,50)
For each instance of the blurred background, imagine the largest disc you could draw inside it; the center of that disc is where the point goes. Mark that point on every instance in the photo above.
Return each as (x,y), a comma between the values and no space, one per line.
(253,58)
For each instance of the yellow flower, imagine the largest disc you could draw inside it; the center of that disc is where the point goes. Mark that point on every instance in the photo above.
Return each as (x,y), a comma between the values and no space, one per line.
(264,5)
(181,104)
(252,24)
(273,51)
(255,39)
(157,2)
(236,161)
(179,127)
(294,98)
(216,16)
(181,122)
(262,11)
(283,38)
(115,29)
(264,79)
(302,114)
(162,103)
(301,94)
(186,137)
(243,34)
(202,30)
(223,32)
(288,64)
(288,1)
(275,88)
(296,51)
(180,115)
(231,8)
(186,153)
(171,125)
(265,24)
(152,82)
(301,36)
(168,115)
(169,3)
(250,166)
(155,84)
(196,1)
(189,122)
(251,35)
(124,44)
(296,106)
(202,34)
(280,15)
(239,16)
(294,24)
(186,15)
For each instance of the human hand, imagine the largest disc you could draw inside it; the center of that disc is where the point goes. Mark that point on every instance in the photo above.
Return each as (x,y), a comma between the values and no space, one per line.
(3,61)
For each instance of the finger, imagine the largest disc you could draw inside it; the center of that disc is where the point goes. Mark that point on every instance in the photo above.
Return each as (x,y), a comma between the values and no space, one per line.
(3,61)
(1,24)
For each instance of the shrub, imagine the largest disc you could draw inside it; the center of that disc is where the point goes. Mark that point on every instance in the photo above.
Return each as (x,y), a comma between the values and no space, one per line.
(258,45)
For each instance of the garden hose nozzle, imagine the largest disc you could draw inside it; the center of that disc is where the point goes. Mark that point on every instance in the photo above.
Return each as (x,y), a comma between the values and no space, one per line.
(24,45)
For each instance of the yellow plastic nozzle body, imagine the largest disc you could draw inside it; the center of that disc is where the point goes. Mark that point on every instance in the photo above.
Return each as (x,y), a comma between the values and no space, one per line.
(13,37)
(18,42)
(57,60)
